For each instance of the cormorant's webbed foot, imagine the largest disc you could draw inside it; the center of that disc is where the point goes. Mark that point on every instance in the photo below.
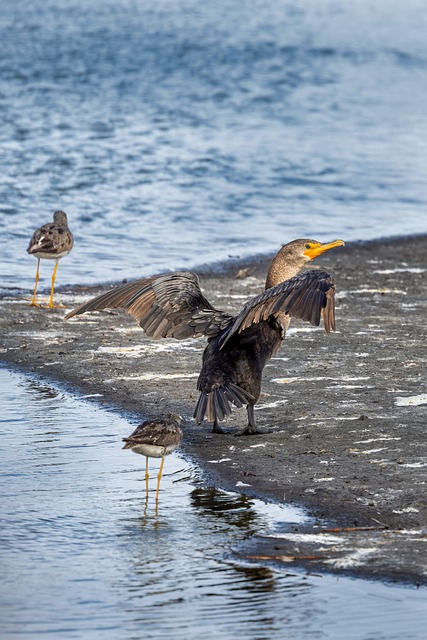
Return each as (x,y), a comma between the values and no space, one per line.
(216,428)
(251,429)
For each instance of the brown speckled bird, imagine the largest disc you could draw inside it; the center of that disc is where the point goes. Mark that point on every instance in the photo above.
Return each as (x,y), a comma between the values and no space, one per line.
(156,438)
(173,306)
(52,241)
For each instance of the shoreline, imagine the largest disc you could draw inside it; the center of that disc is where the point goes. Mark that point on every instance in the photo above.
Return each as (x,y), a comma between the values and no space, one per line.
(345,437)
(226,267)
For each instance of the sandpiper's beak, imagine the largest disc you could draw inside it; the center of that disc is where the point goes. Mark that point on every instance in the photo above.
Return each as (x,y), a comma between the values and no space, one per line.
(315,250)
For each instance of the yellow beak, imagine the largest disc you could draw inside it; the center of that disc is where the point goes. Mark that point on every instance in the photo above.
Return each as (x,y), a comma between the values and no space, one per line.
(316,249)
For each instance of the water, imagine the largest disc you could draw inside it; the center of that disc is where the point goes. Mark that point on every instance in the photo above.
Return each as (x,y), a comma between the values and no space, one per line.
(81,559)
(179,132)
(175,133)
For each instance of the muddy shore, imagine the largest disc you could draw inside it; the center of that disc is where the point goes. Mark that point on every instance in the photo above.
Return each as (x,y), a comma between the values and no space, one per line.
(344,416)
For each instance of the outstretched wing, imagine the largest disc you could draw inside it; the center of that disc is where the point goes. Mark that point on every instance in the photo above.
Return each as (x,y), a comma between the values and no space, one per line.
(308,296)
(165,306)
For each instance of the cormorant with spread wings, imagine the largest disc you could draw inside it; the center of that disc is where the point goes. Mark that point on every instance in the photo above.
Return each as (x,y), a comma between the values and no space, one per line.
(173,306)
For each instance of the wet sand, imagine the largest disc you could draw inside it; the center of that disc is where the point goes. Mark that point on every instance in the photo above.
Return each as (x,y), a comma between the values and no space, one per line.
(344,416)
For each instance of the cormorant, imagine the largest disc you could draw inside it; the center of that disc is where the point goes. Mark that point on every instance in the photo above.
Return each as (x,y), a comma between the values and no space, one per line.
(52,241)
(173,306)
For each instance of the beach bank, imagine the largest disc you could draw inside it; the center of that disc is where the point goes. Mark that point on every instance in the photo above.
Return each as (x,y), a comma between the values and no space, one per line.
(344,416)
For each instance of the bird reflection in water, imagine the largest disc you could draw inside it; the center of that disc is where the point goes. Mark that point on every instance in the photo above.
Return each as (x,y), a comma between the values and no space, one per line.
(233,509)
(236,510)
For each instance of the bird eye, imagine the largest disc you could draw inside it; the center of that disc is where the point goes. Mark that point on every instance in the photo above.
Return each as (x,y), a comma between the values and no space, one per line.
(307,246)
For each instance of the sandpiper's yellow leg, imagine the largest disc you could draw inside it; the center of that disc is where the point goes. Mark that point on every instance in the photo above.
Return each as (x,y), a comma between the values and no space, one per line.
(53,284)
(146,479)
(33,301)
(159,477)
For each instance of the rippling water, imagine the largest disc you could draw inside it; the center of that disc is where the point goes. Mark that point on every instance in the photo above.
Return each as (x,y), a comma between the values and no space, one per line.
(181,132)
(176,133)
(81,559)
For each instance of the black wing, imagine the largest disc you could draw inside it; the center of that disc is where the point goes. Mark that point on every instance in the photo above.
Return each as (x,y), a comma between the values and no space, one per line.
(165,306)
(308,296)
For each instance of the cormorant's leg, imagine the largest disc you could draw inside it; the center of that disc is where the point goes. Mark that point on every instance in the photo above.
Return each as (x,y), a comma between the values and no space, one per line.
(53,285)
(251,428)
(33,301)
(159,477)
(216,428)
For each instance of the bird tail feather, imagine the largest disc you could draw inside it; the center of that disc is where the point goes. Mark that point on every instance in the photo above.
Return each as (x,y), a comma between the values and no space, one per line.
(129,443)
(216,404)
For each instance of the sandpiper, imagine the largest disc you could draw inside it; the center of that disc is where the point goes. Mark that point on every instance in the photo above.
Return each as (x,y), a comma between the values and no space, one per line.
(52,241)
(156,438)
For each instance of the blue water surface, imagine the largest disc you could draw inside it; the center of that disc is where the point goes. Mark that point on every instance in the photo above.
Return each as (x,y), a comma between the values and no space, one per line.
(180,132)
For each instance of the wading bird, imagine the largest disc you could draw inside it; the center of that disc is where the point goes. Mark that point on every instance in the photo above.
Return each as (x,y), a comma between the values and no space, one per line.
(173,306)
(155,439)
(52,241)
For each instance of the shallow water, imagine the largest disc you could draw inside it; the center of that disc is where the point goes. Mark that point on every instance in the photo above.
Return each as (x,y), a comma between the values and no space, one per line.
(177,132)
(81,559)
